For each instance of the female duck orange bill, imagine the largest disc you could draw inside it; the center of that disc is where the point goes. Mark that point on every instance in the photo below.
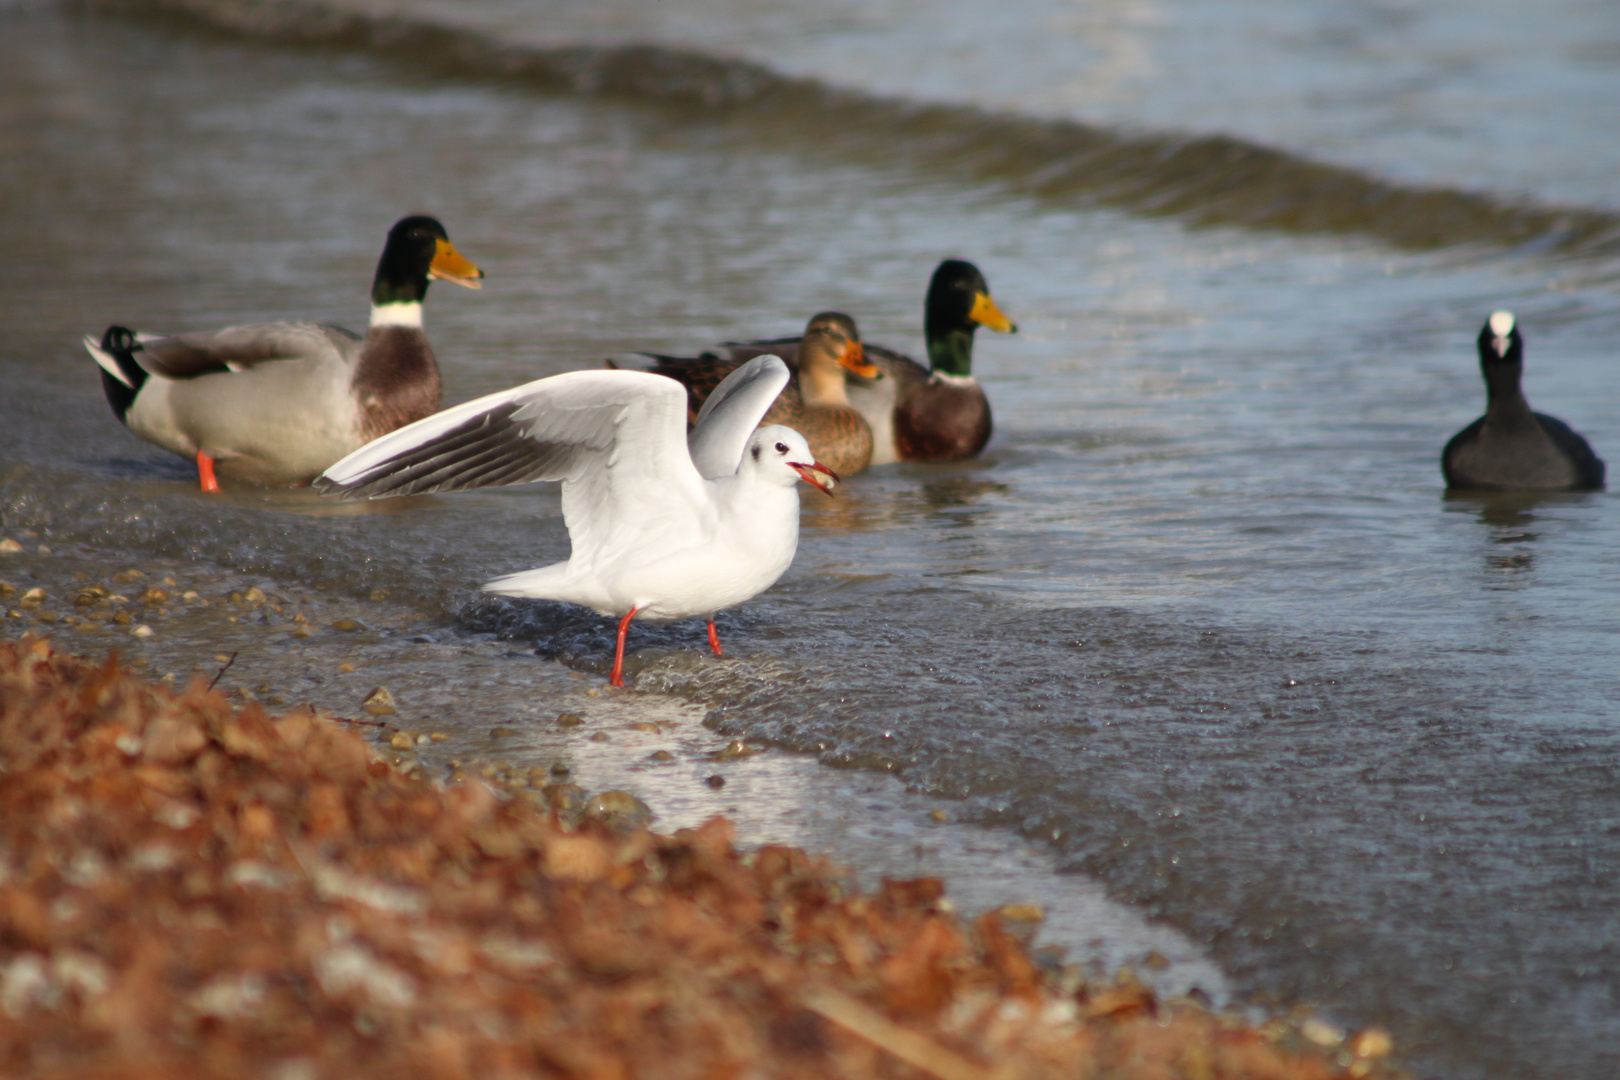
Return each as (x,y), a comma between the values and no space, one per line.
(816,404)
(277,403)
(1511,448)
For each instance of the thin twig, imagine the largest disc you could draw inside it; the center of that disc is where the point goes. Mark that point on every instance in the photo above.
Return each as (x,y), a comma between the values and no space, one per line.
(368,723)
(222,671)
(909,1046)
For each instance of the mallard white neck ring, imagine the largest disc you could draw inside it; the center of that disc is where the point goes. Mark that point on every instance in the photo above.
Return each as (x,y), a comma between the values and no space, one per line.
(405,313)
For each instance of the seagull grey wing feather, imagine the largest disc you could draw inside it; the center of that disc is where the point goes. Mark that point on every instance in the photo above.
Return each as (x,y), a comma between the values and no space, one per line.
(732,412)
(616,440)
(236,348)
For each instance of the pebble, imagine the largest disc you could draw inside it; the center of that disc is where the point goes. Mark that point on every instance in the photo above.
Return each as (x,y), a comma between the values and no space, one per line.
(1155,961)
(438,736)
(33,597)
(7,588)
(736,748)
(400,740)
(1321,1032)
(661,755)
(1021,913)
(142,631)
(647,726)
(255,595)
(619,809)
(1372,1043)
(600,736)
(501,732)
(716,781)
(379,703)
(346,669)
(345,626)
(563,796)
(938,815)
(9,546)
(569,719)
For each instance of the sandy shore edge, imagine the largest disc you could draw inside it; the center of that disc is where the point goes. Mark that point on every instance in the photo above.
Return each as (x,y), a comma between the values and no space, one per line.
(191,889)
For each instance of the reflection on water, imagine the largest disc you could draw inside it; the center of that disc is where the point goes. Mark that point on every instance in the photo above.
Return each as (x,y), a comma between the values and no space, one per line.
(1509,518)
(957,492)
(1512,509)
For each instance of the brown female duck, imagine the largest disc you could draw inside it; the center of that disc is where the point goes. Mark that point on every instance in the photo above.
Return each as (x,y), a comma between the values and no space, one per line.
(816,404)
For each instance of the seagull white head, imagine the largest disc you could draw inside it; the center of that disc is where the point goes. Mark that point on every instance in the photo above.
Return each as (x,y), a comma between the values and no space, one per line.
(783,455)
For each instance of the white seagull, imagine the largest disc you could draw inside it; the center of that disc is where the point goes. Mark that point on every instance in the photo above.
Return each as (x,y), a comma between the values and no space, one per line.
(661,527)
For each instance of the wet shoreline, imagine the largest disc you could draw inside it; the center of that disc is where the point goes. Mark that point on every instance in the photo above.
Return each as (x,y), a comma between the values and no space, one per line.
(514,719)
(209,890)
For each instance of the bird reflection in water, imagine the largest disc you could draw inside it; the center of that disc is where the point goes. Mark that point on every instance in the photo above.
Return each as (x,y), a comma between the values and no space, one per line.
(866,508)
(1509,515)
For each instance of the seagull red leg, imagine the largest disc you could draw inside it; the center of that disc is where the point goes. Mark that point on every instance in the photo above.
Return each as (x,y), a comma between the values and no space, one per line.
(617,678)
(714,640)
(205,473)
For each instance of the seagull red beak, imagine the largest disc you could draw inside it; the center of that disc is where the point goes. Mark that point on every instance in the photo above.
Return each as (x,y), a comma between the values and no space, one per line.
(807,473)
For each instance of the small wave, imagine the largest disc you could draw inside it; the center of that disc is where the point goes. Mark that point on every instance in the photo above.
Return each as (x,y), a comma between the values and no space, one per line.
(1205,180)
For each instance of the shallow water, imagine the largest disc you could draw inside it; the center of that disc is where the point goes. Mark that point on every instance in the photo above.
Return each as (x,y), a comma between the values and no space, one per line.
(1200,622)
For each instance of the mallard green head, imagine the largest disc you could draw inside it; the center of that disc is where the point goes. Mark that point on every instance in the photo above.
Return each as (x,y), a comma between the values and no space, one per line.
(418,248)
(958,303)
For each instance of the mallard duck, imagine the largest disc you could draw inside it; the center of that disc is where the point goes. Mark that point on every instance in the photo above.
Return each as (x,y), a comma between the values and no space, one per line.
(937,413)
(276,403)
(816,404)
(1511,448)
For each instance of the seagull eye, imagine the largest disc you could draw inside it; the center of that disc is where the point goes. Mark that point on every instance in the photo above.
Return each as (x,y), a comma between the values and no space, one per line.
(781,448)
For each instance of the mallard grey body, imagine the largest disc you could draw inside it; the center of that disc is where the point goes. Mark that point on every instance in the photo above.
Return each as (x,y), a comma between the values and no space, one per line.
(277,403)
(295,401)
